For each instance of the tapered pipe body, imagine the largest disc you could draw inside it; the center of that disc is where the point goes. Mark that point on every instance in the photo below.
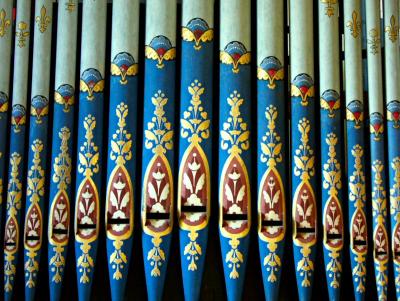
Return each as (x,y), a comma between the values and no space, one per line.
(122,142)
(195,136)
(234,192)
(15,191)
(158,145)
(90,143)
(271,143)
(60,191)
(355,150)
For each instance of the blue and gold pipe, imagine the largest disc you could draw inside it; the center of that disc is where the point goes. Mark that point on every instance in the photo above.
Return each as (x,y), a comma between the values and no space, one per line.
(234,191)
(377,148)
(158,145)
(271,140)
(15,191)
(330,146)
(122,141)
(6,7)
(60,193)
(304,210)
(89,144)
(355,146)
(195,149)
(37,152)
(391,19)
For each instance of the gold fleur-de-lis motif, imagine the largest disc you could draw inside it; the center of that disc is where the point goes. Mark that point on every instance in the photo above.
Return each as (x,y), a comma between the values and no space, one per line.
(374,41)
(43,20)
(22,33)
(70,6)
(329,9)
(392,30)
(354,25)
(4,23)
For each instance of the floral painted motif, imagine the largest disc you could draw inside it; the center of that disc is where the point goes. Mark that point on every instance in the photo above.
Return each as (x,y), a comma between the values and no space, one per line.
(304,205)
(354,25)
(330,100)
(392,29)
(235,54)
(374,41)
(376,126)
(4,23)
(271,70)
(65,96)
(303,87)
(330,7)
(194,173)
(91,82)
(393,113)
(43,20)
(22,33)
(160,49)
(39,108)
(355,113)
(197,31)
(18,117)
(120,193)
(124,65)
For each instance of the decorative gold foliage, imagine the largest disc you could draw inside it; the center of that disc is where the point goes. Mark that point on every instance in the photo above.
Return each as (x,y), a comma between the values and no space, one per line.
(271,145)
(329,9)
(62,163)
(272,261)
(156,256)
(57,263)
(392,30)
(192,250)
(70,6)
(354,25)
(31,269)
(159,131)
(22,34)
(43,20)
(4,23)
(235,136)
(88,152)
(234,258)
(85,263)
(395,189)
(304,158)
(331,169)
(374,41)
(305,266)
(118,259)
(188,35)
(36,174)
(121,143)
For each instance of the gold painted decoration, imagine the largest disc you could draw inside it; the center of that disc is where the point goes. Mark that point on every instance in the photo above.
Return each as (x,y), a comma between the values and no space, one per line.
(160,49)
(120,193)
(330,101)
(14,188)
(393,113)
(70,6)
(374,41)
(271,200)
(197,31)
(194,187)
(271,70)
(65,96)
(4,23)
(234,191)
(87,209)
(60,209)
(39,108)
(22,34)
(392,29)
(235,54)
(91,82)
(124,65)
(333,214)
(395,208)
(304,206)
(303,87)
(376,126)
(3,103)
(43,20)
(354,112)
(330,8)
(354,25)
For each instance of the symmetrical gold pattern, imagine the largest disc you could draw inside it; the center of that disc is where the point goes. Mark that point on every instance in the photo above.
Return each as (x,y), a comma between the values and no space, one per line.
(121,151)
(354,25)
(395,212)
(70,6)
(22,34)
(392,30)
(304,159)
(36,174)
(62,177)
(4,23)
(192,251)
(330,8)
(43,20)
(206,36)
(234,258)
(374,41)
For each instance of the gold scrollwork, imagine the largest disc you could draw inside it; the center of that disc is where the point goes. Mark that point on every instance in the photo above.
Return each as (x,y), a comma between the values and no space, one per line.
(4,23)
(392,30)
(329,9)
(159,131)
(374,41)
(22,34)
(354,25)
(43,20)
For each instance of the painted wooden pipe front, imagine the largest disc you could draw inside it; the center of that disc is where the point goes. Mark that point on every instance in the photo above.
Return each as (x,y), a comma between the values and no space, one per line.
(355,146)
(15,191)
(271,143)
(234,147)
(158,145)
(195,149)
(61,195)
(122,142)
(89,146)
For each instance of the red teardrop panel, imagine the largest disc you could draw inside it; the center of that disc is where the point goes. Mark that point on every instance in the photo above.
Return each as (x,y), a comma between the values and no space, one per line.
(396,242)
(359,232)
(60,218)
(11,235)
(381,243)
(272,204)
(305,214)
(334,223)
(194,189)
(33,226)
(87,208)
(120,198)
(158,196)
(235,196)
